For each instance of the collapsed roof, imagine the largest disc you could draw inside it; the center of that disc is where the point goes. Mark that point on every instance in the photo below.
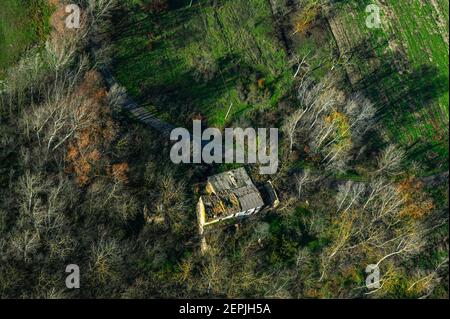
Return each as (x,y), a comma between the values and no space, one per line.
(231,192)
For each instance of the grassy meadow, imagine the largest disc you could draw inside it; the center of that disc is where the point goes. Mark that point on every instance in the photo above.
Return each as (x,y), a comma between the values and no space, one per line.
(23,23)
(201,59)
(404,67)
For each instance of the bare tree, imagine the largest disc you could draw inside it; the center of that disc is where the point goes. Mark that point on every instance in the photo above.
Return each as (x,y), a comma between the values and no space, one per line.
(431,280)
(330,123)
(290,126)
(98,20)
(369,221)
(390,160)
(59,118)
(361,113)
(116,97)
(304,179)
(314,102)
(106,258)
(25,244)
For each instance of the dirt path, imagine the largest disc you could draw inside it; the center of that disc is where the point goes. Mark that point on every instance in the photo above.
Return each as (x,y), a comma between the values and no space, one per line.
(138,112)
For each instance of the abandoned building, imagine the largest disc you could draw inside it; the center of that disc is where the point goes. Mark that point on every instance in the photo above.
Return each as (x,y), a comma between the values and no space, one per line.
(232,194)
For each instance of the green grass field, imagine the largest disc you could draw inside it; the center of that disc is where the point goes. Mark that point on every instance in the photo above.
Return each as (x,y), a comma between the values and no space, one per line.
(402,67)
(414,40)
(234,41)
(23,23)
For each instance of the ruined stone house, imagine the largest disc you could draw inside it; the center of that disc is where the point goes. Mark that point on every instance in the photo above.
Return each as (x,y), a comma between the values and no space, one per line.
(232,194)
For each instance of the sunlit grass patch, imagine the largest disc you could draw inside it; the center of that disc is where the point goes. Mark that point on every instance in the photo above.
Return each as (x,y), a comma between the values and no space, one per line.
(408,75)
(203,59)
(23,23)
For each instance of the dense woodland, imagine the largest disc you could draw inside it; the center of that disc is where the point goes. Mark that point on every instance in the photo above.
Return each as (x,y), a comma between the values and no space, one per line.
(81,182)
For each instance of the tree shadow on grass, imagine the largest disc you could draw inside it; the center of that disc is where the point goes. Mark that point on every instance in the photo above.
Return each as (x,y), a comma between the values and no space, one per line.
(188,95)
(400,92)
